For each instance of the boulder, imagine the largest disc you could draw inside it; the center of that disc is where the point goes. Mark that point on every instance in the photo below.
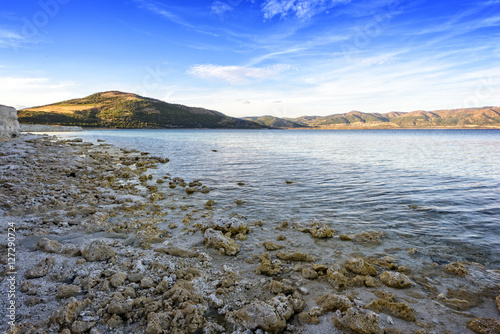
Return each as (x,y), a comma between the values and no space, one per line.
(361,267)
(357,321)
(49,246)
(98,250)
(219,241)
(484,325)
(9,125)
(41,269)
(270,316)
(395,279)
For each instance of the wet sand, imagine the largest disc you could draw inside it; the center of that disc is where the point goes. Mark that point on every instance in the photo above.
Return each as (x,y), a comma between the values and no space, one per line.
(103,244)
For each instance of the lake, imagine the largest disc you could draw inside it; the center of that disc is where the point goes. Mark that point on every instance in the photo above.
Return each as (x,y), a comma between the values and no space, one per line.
(435,190)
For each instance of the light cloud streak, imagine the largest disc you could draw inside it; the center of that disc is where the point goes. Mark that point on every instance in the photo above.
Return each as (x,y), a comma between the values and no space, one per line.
(302,9)
(237,74)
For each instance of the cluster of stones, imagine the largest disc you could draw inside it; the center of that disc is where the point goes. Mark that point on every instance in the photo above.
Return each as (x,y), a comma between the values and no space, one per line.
(138,279)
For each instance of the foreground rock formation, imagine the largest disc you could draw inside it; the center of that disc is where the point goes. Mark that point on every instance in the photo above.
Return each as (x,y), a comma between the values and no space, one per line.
(9,125)
(107,242)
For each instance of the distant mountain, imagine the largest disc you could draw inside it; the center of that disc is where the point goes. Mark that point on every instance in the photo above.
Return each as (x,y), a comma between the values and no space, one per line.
(116,109)
(453,118)
(275,122)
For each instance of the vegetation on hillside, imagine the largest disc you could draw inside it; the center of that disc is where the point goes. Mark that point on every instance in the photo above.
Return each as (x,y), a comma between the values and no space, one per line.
(123,110)
(115,109)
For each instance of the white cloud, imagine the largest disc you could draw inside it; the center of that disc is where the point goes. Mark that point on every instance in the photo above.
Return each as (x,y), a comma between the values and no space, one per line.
(30,91)
(302,9)
(237,74)
(11,39)
(220,8)
(159,9)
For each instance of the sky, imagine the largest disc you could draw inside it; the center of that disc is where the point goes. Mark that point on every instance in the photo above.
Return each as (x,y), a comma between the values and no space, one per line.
(285,58)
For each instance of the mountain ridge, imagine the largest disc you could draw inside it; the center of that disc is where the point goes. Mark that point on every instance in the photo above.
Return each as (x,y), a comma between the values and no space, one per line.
(453,118)
(115,109)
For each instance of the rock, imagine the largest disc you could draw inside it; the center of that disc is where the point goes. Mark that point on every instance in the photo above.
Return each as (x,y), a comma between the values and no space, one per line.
(49,246)
(94,331)
(32,301)
(278,287)
(337,279)
(484,325)
(308,318)
(373,237)
(457,268)
(79,327)
(294,256)
(41,269)
(270,316)
(29,288)
(120,307)
(332,303)
(321,231)
(135,277)
(498,303)
(65,291)
(457,304)
(232,225)
(309,273)
(282,306)
(115,321)
(129,292)
(9,125)
(97,250)
(268,267)
(97,222)
(361,267)
(395,280)
(118,279)
(147,282)
(345,237)
(68,313)
(357,321)
(370,282)
(219,241)
(271,246)
(399,310)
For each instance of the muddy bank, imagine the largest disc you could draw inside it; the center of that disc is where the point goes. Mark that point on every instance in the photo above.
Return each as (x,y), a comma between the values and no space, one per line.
(105,244)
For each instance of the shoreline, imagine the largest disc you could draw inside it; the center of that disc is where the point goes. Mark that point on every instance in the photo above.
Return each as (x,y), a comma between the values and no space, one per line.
(54,128)
(102,246)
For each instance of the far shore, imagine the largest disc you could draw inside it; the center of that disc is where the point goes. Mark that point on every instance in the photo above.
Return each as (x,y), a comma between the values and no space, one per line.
(64,128)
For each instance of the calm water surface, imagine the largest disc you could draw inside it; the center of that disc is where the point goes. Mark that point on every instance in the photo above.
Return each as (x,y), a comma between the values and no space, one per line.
(438,190)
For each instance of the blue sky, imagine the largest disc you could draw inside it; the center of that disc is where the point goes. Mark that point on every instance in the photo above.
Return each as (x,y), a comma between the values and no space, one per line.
(254,57)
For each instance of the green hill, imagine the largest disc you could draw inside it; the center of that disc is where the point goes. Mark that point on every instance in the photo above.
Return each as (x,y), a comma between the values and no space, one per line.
(274,122)
(453,118)
(115,109)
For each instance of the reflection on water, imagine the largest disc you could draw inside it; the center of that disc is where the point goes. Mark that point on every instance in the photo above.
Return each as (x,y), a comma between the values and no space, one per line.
(429,188)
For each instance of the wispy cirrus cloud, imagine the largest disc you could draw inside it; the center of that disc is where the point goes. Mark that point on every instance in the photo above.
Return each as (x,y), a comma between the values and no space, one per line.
(237,74)
(159,9)
(220,8)
(11,83)
(302,9)
(11,39)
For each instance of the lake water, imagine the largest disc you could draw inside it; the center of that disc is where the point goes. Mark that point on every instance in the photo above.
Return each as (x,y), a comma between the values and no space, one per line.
(437,190)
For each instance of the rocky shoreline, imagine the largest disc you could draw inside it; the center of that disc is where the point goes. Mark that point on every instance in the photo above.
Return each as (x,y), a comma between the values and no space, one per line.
(103,244)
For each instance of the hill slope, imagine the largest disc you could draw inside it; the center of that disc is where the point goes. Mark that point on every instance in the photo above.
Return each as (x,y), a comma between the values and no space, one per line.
(115,109)
(460,118)
(274,122)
